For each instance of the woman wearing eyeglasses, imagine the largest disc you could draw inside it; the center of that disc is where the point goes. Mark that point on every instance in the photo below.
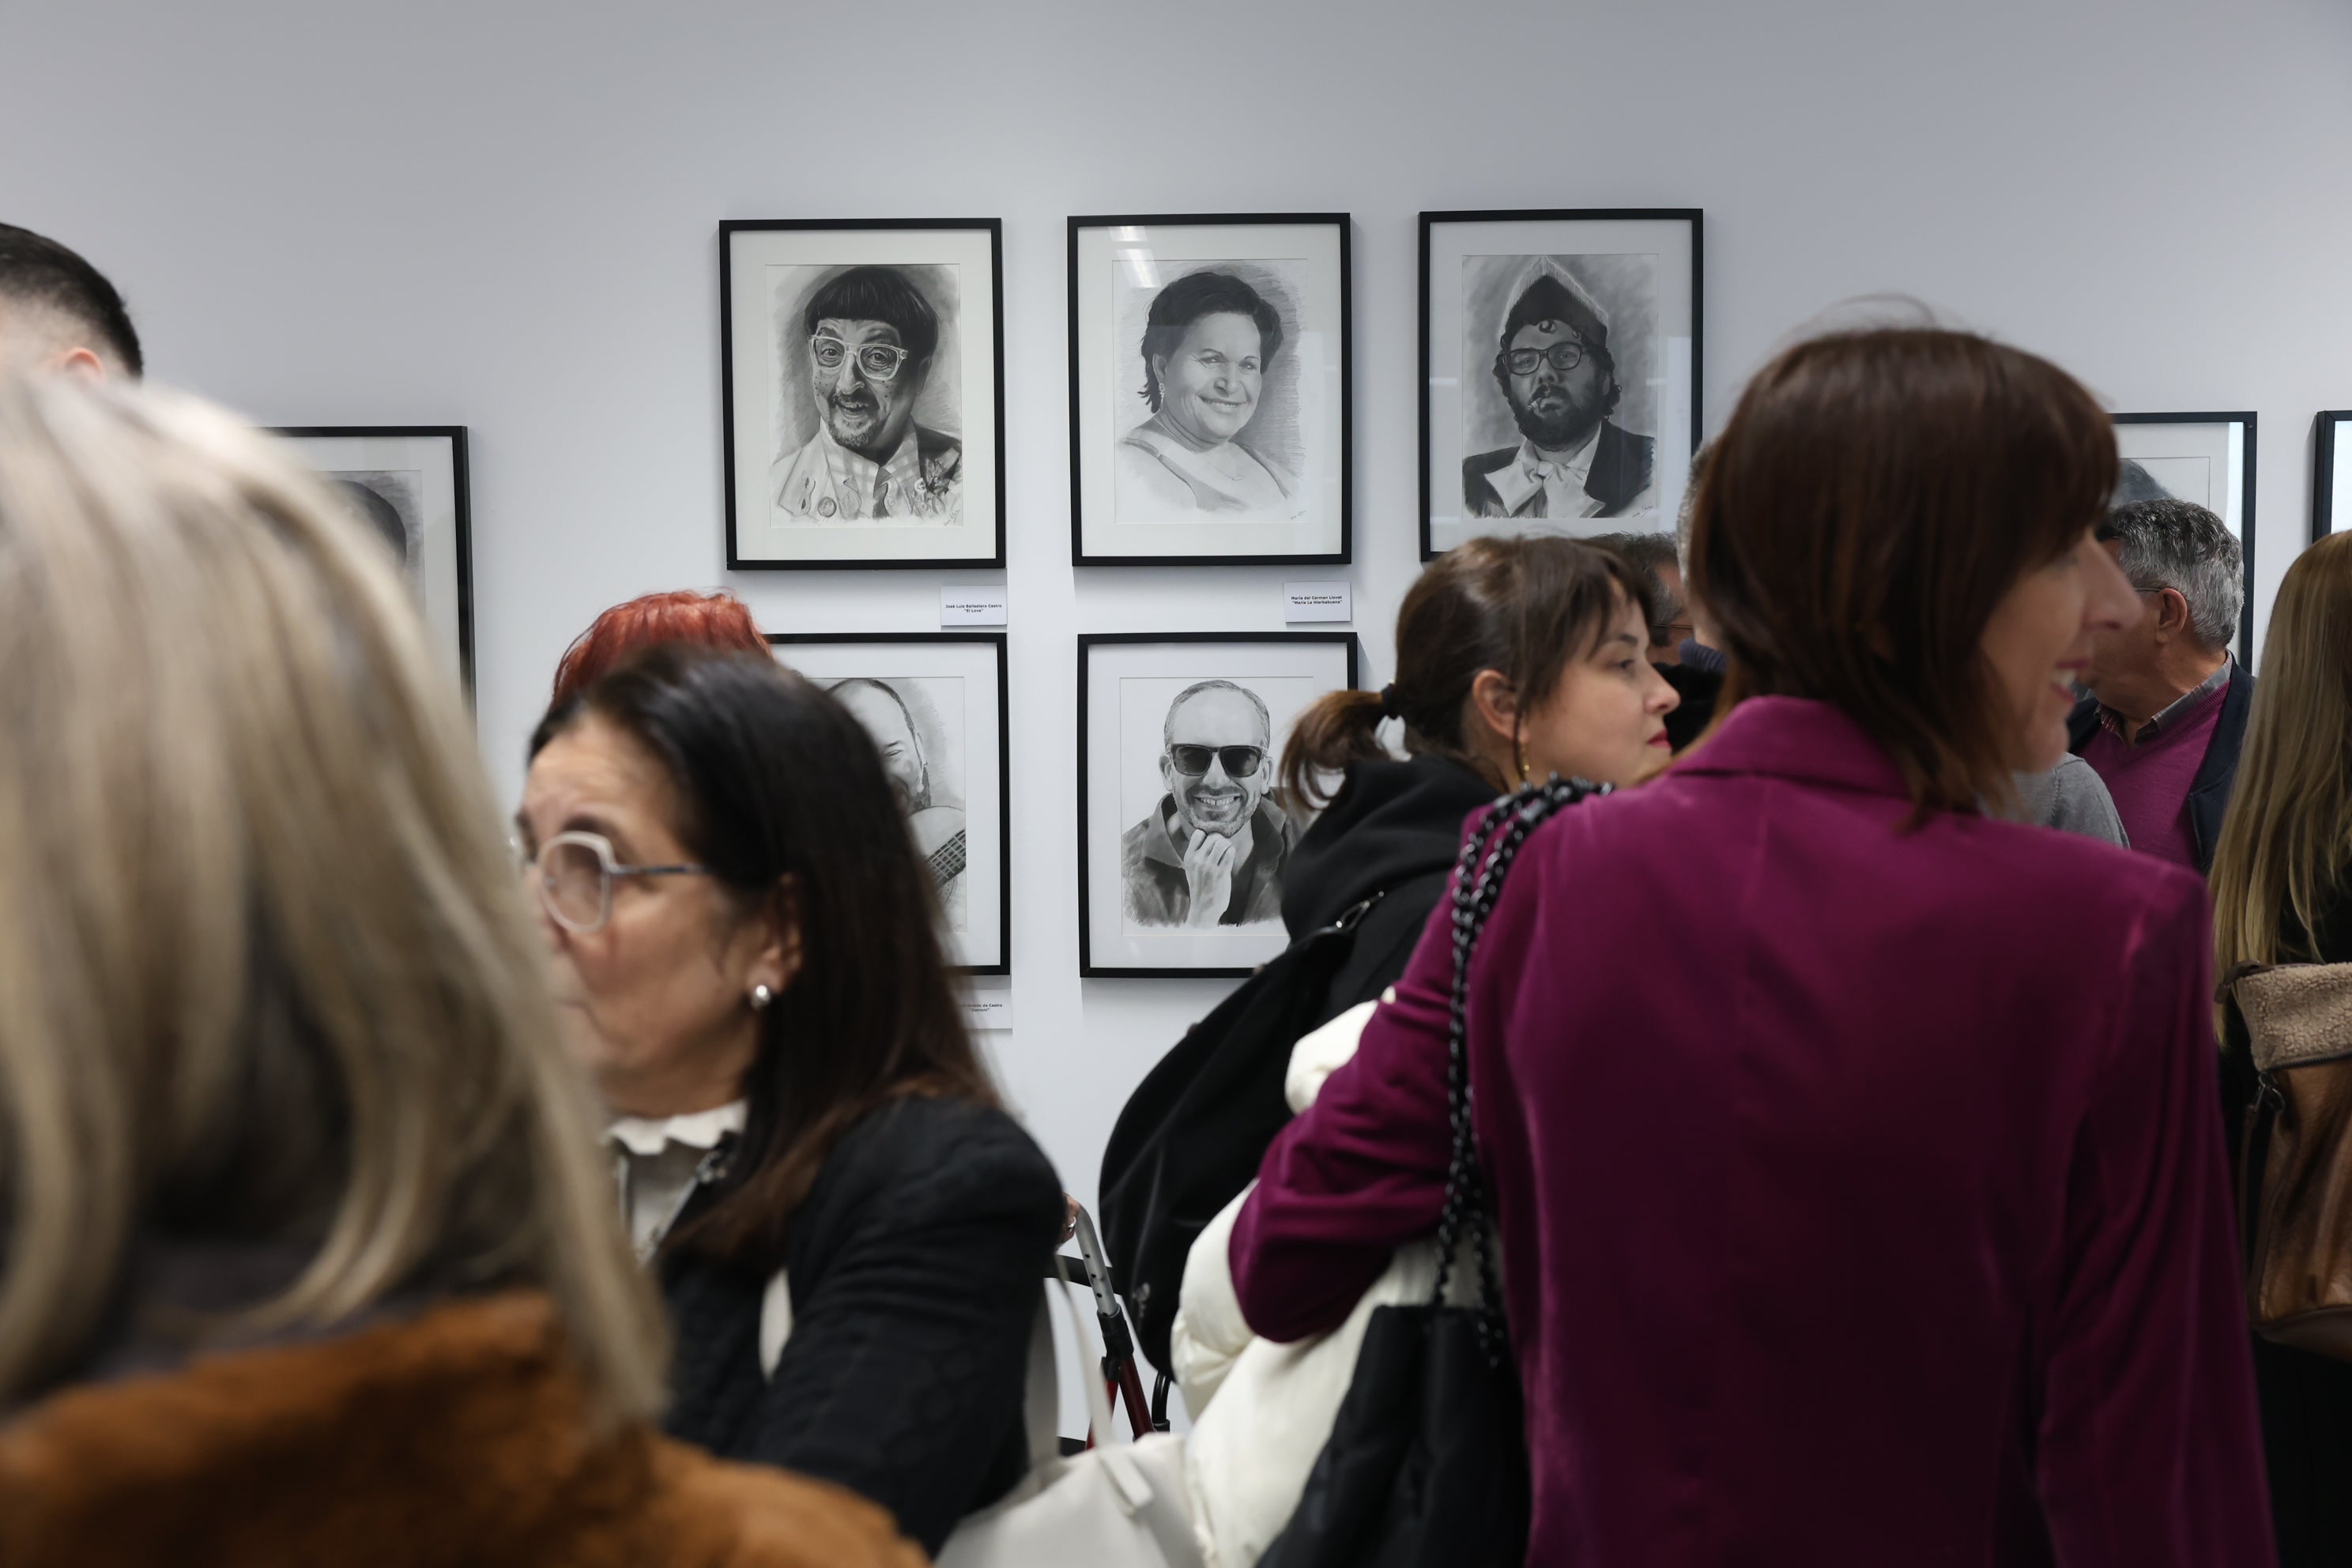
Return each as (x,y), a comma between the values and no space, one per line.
(1208,341)
(849,1231)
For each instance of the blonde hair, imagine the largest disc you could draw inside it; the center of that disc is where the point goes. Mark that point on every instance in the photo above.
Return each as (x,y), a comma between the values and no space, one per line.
(264,968)
(2287,843)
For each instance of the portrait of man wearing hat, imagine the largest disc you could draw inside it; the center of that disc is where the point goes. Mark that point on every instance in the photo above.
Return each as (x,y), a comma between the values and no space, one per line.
(1554,367)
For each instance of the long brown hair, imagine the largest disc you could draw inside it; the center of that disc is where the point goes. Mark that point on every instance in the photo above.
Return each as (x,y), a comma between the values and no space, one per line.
(2287,843)
(1524,607)
(783,794)
(1871,501)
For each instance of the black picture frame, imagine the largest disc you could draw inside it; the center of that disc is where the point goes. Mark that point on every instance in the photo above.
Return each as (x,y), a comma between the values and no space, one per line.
(1344,225)
(1003,717)
(1088,641)
(1694,217)
(2246,530)
(464,515)
(737,560)
(2323,470)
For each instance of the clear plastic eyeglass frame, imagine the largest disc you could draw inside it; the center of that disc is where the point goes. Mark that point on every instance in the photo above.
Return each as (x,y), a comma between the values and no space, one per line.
(545,863)
(878,361)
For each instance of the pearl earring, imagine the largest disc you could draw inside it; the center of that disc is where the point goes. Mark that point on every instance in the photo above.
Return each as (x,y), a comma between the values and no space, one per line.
(760,997)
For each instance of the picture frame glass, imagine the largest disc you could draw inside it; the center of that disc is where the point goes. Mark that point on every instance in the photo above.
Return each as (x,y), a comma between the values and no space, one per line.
(1588,431)
(408,485)
(862,396)
(1209,396)
(2332,495)
(1168,728)
(934,705)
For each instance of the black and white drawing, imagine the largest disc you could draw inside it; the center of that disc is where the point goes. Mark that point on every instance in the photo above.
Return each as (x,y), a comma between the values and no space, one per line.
(1186,831)
(2204,458)
(2331,480)
(935,704)
(406,486)
(862,386)
(1561,354)
(1209,416)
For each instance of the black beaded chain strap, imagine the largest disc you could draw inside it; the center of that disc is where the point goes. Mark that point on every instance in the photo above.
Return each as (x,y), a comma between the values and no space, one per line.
(1486,856)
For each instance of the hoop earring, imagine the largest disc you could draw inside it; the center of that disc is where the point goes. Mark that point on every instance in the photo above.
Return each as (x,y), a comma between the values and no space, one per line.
(760,997)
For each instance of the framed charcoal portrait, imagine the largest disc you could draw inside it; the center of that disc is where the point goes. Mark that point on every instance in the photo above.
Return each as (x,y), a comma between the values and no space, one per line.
(2207,459)
(1184,830)
(1559,360)
(1209,407)
(935,703)
(861,369)
(2331,480)
(406,483)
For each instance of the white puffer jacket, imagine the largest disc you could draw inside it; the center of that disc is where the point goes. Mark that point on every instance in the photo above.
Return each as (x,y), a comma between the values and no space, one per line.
(1261,1412)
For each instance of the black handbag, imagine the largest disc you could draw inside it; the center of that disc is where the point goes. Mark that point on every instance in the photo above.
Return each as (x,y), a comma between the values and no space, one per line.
(1427,1462)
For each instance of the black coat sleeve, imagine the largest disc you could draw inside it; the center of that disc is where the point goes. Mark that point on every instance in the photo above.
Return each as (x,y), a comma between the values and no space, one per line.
(917,1268)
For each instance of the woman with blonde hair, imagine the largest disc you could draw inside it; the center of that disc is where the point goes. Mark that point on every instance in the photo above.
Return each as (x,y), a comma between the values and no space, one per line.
(309,1253)
(2283,894)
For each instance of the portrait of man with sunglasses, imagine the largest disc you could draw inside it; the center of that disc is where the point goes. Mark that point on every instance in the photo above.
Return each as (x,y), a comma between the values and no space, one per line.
(1555,370)
(1212,852)
(869,334)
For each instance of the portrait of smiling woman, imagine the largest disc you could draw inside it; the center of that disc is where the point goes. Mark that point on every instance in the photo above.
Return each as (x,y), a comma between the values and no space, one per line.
(849,1231)
(1208,343)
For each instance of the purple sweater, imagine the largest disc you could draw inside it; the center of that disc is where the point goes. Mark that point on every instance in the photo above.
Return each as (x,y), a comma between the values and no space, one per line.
(1862,1196)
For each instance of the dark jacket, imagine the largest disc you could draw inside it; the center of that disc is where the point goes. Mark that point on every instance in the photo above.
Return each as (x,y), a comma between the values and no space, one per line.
(1157,892)
(2209,792)
(2306,1399)
(916,1266)
(1700,688)
(1392,825)
(1620,473)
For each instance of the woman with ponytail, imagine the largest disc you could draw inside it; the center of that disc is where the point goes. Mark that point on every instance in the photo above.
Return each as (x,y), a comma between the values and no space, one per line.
(1517,659)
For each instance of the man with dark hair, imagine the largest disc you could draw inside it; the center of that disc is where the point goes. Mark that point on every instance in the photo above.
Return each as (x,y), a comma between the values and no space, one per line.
(58,312)
(1556,371)
(2168,709)
(870,335)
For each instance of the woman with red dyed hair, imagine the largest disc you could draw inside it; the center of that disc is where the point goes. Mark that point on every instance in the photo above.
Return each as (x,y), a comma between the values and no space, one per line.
(713,620)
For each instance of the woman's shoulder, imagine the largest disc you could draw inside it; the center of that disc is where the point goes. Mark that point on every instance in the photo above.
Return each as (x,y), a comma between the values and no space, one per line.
(940,1149)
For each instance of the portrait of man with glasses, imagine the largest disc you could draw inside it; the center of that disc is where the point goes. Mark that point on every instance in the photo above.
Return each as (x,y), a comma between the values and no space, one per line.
(868,336)
(1213,851)
(1553,364)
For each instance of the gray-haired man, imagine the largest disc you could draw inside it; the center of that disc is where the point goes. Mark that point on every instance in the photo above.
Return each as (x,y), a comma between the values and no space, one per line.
(2167,708)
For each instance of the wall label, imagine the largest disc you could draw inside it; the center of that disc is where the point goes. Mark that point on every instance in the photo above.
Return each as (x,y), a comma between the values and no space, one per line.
(1316,602)
(971,606)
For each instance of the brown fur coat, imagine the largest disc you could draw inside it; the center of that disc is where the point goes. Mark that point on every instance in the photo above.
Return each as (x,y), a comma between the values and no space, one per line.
(454,1437)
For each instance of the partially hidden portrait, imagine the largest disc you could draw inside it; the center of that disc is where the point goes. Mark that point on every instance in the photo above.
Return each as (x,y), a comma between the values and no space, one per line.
(405,487)
(1187,833)
(1209,410)
(863,395)
(1561,356)
(934,704)
(2206,460)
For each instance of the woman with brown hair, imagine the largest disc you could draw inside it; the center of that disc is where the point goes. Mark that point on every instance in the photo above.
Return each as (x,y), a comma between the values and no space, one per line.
(2283,894)
(851,1234)
(309,1257)
(1853,1150)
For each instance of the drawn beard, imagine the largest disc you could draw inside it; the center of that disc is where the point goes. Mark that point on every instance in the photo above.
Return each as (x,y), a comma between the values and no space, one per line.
(1563,423)
(1221,812)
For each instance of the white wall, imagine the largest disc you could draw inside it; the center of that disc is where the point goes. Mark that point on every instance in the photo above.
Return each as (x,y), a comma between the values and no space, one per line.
(504,215)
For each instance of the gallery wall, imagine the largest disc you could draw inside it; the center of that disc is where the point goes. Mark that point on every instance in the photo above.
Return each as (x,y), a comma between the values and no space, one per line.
(505,216)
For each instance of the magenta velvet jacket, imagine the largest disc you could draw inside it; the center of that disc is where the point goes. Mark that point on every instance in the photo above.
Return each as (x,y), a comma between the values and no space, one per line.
(1862,1192)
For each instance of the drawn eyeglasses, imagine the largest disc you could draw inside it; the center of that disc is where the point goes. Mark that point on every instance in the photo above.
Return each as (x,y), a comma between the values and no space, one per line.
(1241,761)
(572,874)
(1564,356)
(879,361)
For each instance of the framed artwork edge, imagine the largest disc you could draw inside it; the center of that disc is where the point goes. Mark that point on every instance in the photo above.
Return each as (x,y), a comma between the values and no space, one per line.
(1345,223)
(1694,217)
(1087,968)
(463,484)
(728,228)
(2323,470)
(1003,966)
(2245,504)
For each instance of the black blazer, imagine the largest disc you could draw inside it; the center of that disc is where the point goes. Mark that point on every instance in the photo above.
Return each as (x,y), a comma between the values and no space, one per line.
(1620,471)
(917,1268)
(2209,792)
